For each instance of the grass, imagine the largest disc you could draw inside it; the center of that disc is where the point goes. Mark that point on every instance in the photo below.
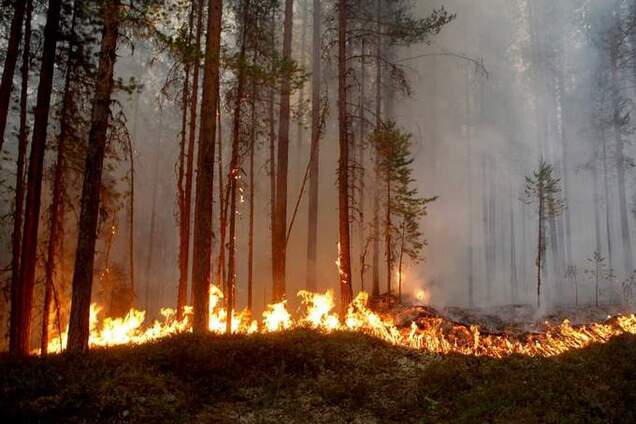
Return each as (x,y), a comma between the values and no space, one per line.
(305,377)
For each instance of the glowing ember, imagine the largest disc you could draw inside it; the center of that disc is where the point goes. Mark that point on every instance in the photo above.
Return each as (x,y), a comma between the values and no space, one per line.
(432,334)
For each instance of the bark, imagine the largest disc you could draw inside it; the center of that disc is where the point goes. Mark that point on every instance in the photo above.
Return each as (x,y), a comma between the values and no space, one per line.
(361,165)
(344,251)
(184,236)
(314,170)
(56,218)
(85,256)
(376,195)
(187,207)
(272,176)
(205,176)
(301,90)
(606,192)
(250,247)
(20,326)
(220,269)
(235,171)
(16,240)
(10,61)
(153,221)
(280,221)
(540,246)
(131,216)
(400,262)
(388,243)
(469,189)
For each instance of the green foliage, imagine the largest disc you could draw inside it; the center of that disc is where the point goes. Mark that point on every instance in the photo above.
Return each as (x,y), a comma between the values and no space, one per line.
(404,29)
(600,270)
(543,189)
(395,165)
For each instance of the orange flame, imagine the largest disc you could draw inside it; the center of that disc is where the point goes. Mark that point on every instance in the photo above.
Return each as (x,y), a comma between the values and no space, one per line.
(431,334)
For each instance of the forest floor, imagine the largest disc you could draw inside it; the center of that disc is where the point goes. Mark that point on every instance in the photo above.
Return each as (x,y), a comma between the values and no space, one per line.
(302,376)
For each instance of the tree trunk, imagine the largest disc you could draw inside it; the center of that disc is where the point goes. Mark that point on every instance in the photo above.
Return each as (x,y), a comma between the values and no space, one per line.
(250,247)
(361,166)
(376,193)
(85,256)
(235,171)
(388,244)
(187,196)
(540,248)
(314,170)
(16,240)
(469,189)
(223,202)
(205,176)
(280,221)
(56,218)
(272,159)
(344,251)
(131,217)
(608,212)
(11,58)
(400,261)
(301,90)
(153,221)
(184,236)
(21,309)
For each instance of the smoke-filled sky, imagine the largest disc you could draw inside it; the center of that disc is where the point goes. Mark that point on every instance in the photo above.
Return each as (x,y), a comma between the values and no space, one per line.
(483,109)
(506,83)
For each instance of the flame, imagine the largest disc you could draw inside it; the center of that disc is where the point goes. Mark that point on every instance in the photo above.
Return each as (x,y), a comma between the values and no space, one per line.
(276,317)
(318,312)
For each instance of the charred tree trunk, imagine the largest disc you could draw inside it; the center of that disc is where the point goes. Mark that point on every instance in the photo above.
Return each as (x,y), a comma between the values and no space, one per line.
(10,61)
(205,176)
(344,251)
(279,255)
(85,256)
(20,327)
(18,211)
(314,170)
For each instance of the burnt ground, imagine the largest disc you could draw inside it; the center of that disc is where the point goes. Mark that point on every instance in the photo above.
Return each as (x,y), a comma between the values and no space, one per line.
(305,377)
(510,319)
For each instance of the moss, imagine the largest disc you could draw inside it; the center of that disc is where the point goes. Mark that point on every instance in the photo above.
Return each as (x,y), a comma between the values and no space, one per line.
(304,376)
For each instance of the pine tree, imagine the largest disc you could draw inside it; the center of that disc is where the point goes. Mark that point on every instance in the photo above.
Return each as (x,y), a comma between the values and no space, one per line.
(542,190)
(91,188)
(405,207)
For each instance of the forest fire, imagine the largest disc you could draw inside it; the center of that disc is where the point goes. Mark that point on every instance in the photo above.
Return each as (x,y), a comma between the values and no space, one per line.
(436,335)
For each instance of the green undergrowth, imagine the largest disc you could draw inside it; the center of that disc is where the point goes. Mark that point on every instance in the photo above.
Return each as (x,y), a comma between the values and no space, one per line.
(306,377)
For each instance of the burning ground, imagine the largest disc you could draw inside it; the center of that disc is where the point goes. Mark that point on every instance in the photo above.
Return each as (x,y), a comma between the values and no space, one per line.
(306,376)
